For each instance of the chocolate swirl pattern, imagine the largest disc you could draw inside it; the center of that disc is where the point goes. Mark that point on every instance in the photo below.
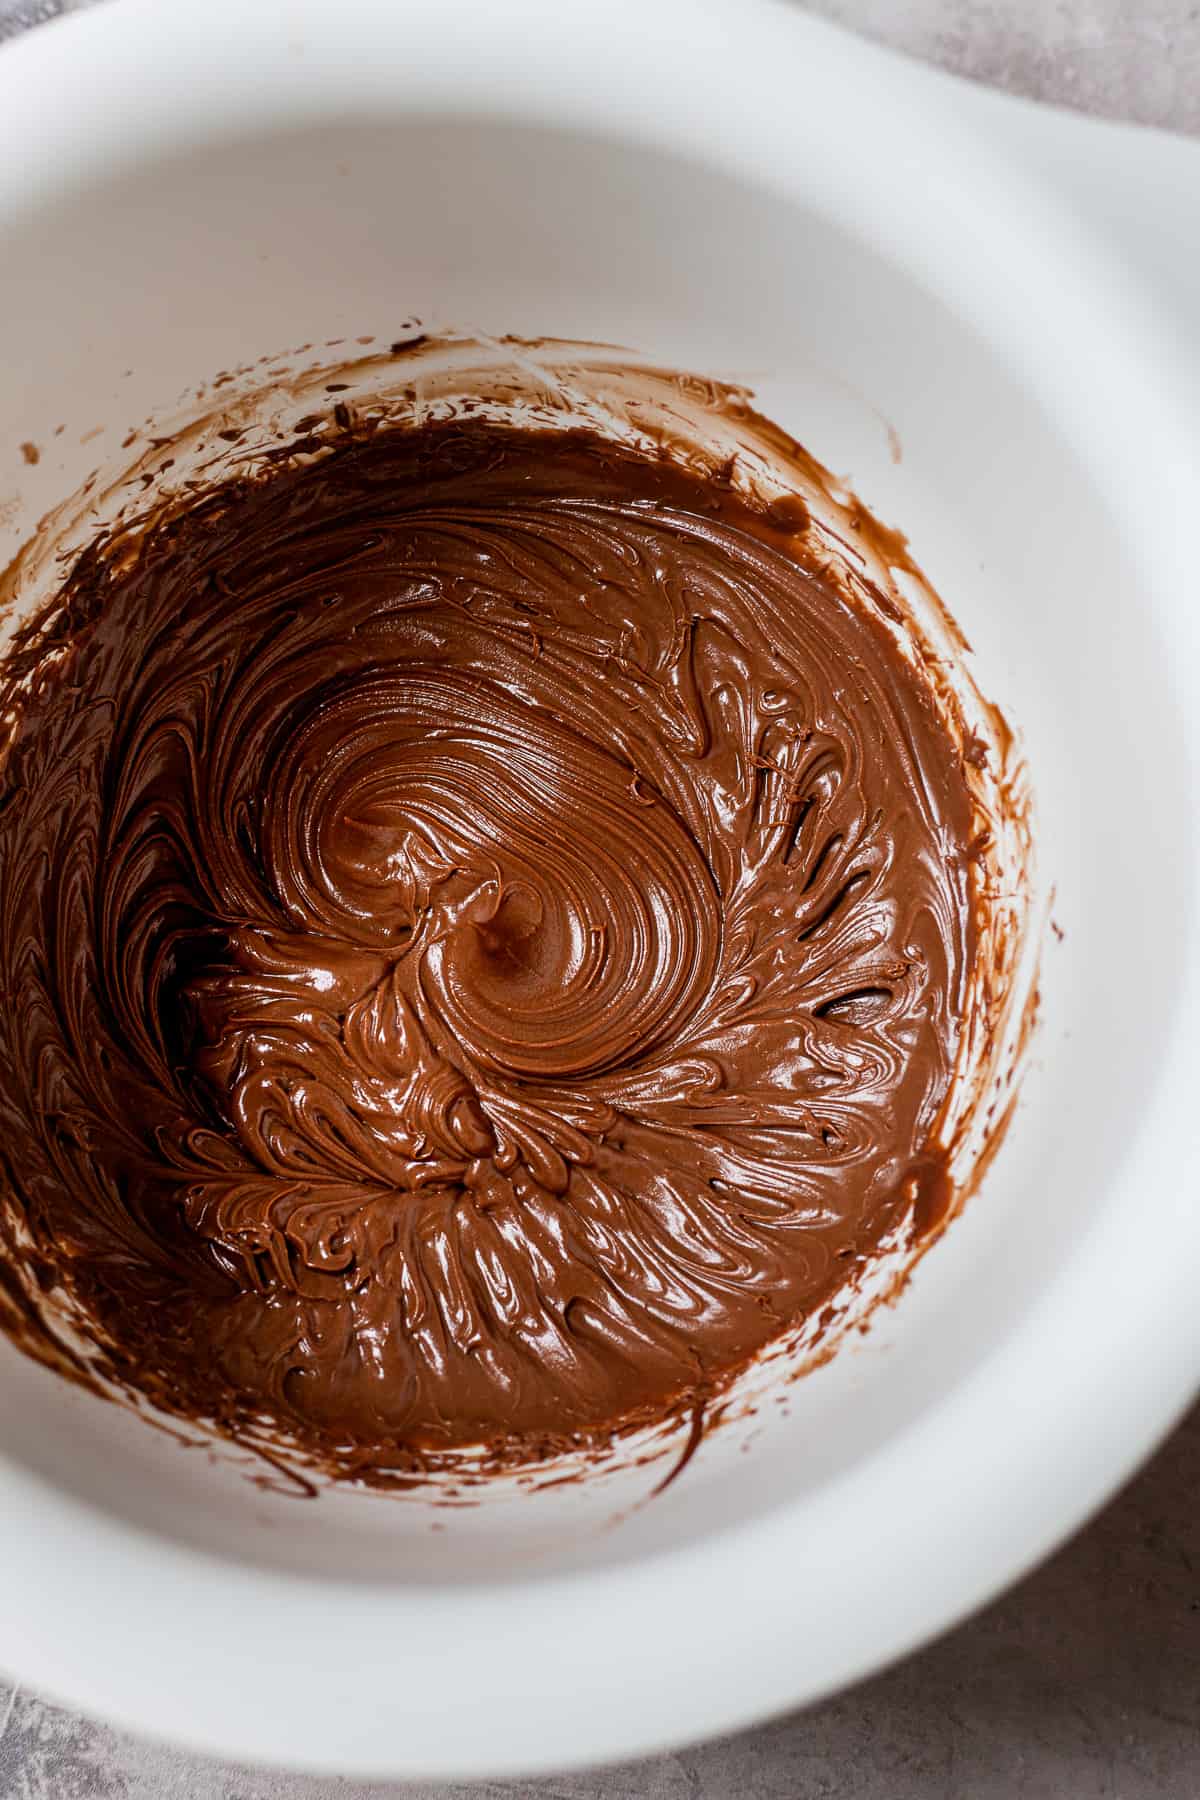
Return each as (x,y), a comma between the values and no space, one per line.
(485,925)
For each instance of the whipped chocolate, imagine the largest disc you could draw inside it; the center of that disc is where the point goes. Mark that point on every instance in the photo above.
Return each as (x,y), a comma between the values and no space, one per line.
(485,924)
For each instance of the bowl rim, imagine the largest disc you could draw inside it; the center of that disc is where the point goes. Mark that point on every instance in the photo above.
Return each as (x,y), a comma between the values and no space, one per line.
(289,1692)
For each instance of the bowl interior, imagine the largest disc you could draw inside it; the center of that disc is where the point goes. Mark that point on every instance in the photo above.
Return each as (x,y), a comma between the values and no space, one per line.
(453,221)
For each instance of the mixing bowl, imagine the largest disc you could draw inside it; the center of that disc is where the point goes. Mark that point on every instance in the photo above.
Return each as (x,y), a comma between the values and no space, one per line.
(732,188)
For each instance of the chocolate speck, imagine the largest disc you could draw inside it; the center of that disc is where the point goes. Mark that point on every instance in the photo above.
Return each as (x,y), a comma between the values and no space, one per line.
(789,513)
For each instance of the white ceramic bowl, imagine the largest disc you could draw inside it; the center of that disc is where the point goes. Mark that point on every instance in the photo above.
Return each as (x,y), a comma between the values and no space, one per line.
(733,188)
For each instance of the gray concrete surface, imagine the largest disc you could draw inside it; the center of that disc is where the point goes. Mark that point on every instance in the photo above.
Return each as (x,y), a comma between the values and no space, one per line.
(1126,59)
(1083,1683)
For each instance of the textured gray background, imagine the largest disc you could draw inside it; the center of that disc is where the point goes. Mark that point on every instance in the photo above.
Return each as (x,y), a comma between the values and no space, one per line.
(1083,1683)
